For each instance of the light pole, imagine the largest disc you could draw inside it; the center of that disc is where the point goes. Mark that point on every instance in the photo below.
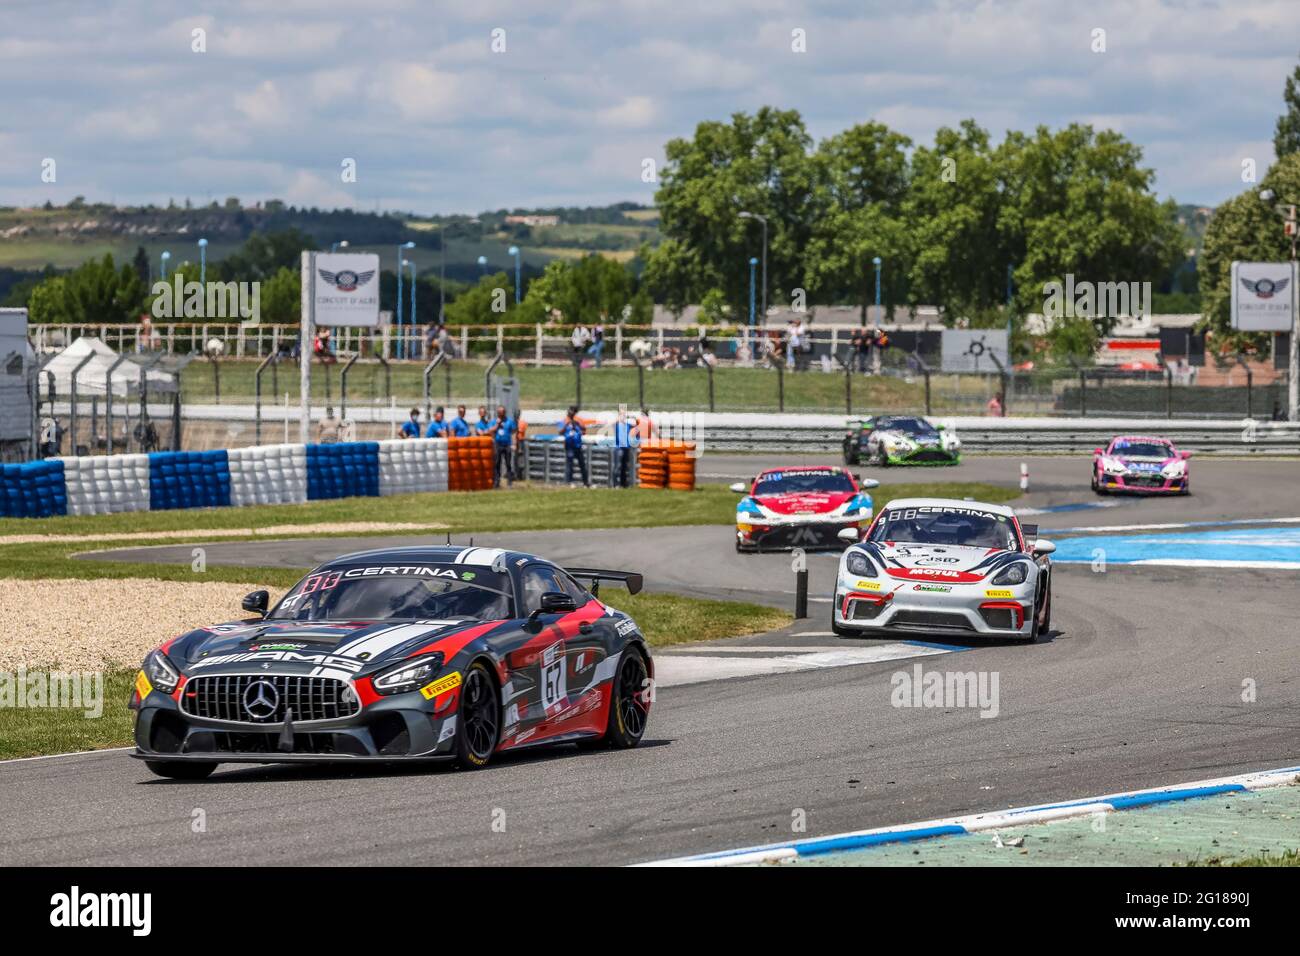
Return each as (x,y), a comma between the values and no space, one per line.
(164,257)
(203,263)
(401,341)
(752,263)
(1269,197)
(744,214)
(336,246)
(514,251)
(875,261)
(482,265)
(411,264)
(442,275)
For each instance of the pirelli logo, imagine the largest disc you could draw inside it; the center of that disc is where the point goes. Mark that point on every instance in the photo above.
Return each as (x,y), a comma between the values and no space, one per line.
(441,686)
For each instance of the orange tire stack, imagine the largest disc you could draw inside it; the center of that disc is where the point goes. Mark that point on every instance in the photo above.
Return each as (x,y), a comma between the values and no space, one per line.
(469,463)
(666,464)
(652,465)
(681,466)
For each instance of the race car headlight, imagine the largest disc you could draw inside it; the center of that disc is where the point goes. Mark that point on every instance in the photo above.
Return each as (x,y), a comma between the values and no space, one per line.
(1015,574)
(859,564)
(160,672)
(1112,466)
(1175,469)
(408,675)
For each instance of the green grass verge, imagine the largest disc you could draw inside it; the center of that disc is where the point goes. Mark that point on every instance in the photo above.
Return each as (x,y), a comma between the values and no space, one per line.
(748,389)
(665,619)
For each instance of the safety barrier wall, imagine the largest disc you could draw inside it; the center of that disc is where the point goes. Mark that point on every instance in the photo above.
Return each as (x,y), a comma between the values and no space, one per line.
(107,484)
(34,489)
(266,474)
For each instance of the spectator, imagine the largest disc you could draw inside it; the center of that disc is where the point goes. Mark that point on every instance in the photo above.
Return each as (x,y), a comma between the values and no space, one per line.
(995,406)
(503,435)
(459,427)
(597,348)
(321,347)
(445,345)
(438,428)
(328,431)
(572,431)
(411,427)
(792,343)
(484,424)
(859,348)
(347,430)
(624,441)
(645,428)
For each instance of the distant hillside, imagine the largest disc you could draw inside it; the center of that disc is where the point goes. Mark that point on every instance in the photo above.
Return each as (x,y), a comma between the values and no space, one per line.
(65,236)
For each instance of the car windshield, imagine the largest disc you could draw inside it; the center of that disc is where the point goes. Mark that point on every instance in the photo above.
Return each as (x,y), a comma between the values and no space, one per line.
(1142,449)
(944,524)
(414,592)
(908,426)
(824,481)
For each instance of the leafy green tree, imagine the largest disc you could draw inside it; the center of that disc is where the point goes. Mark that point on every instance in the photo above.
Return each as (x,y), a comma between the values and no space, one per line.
(960,254)
(760,163)
(96,292)
(1080,202)
(861,185)
(593,288)
(475,306)
(1286,137)
(1249,230)
(263,255)
(280,297)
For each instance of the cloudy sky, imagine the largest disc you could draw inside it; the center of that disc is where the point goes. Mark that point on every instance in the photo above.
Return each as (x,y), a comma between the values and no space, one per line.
(584,91)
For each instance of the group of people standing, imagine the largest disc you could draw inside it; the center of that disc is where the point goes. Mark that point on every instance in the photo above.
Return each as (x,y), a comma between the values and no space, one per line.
(503,430)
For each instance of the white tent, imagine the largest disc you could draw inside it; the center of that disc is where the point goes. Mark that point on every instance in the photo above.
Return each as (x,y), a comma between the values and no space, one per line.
(93,379)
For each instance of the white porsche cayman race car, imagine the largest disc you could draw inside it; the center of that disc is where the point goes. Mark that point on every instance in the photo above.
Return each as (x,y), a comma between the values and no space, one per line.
(944,566)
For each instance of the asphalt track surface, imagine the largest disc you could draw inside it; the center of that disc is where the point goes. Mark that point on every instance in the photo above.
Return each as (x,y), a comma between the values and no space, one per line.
(1140,685)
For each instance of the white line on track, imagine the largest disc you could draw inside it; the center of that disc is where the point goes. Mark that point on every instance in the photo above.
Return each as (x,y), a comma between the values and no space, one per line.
(673,670)
(75,753)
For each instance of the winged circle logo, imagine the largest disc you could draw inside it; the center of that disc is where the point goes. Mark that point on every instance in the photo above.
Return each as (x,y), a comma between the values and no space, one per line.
(1265,288)
(346,280)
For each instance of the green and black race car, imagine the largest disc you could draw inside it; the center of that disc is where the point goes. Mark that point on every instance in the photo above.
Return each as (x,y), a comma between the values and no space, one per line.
(900,440)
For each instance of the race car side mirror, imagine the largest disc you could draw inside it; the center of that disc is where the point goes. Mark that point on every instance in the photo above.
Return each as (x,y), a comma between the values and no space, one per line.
(868,483)
(553,602)
(848,535)
(1044,547)
(738,487)
(1184,455)
(1098,451)
(256,602)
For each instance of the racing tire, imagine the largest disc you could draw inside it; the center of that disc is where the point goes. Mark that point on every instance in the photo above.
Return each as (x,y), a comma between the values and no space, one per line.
(478,720)
(627,714)
(1043,623)
(181,769)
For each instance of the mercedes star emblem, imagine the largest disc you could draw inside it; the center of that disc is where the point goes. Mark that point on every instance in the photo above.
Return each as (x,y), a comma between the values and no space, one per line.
(261,699)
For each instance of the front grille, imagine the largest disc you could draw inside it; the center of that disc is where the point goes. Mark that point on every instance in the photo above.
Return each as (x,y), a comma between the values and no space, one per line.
(930,455)
(1002,618)
(222,697)
(1145,481)
(938,619)
(860,610)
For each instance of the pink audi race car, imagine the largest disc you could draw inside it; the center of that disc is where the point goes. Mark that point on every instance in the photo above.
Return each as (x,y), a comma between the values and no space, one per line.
(802,507)
(1140,465)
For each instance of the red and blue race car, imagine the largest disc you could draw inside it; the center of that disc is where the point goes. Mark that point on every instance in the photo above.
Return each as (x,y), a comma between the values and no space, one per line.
(803,507)
(1140,464)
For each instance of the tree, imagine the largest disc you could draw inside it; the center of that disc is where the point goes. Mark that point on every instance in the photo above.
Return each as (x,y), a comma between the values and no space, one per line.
(1286,137)
(594,288)
(280,297)
(96,293)
(758,163)
(488,303)
(861,184)
(141,264)
(1245,229)
(263,255)
(960,254)
(1080,202)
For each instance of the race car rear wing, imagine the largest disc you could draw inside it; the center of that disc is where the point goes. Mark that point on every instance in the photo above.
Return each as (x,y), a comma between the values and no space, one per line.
(630,579)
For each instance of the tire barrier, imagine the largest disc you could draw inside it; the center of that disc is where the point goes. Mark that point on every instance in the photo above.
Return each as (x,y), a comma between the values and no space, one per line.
(264,474)
(107,485)
(34,489)
(666,464)
(188,479)
(470,463)
(343,470)
(413,465)
(268,475)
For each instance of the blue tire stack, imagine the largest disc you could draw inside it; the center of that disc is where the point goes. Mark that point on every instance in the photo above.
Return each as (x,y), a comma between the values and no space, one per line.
(344,470)
(188,479)
(34,489)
